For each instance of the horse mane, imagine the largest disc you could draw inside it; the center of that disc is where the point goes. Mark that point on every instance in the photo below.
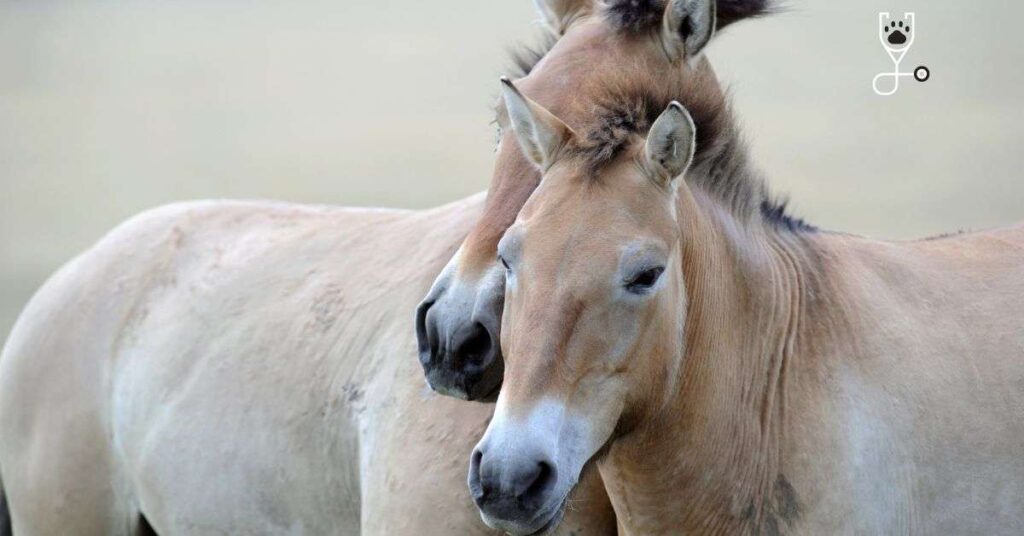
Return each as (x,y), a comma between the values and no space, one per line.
(622,107)
(638,16)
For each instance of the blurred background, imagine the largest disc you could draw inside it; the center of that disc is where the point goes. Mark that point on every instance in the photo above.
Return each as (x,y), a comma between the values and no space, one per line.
(111,107)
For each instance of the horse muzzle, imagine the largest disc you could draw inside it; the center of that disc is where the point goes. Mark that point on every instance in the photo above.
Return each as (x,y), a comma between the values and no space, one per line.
(457,335)
(515,494)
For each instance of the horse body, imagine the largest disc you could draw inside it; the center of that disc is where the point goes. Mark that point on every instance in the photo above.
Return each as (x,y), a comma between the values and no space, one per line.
(241,368)
(588,43)
(728,368)
(896,407)
(922,369)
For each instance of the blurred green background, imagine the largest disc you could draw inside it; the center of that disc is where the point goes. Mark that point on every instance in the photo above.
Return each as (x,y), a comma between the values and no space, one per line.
(110,107)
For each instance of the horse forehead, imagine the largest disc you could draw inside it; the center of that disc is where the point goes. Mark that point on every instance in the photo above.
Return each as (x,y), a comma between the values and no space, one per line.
(569,239)
(559,206)
(568,203)
(622,196)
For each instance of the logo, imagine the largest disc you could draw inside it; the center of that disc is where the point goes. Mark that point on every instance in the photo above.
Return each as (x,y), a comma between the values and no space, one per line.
(896,37)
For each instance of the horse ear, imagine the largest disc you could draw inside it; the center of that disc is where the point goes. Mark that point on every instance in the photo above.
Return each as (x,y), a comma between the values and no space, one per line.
(687,26)
(670,143)
(557,14)
(539,132)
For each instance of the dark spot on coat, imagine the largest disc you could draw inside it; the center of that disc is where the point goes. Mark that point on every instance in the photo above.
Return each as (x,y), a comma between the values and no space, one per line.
(352,393)
(784,500)
(748,514)
(780,510)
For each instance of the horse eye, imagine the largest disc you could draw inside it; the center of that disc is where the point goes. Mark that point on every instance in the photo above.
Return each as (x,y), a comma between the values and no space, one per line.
(503,262)
(643,281)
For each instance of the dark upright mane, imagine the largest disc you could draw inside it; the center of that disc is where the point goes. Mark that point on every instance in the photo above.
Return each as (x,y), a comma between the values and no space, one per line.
(622,109)
(730,11)
(637,16)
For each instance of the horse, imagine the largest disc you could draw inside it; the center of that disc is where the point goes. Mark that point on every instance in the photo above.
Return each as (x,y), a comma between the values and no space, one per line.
(729,368)
(239,367)
(458,322)
(234,367)
(227,367)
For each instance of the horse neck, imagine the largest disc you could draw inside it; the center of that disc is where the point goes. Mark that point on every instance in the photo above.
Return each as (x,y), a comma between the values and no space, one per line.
(709,459)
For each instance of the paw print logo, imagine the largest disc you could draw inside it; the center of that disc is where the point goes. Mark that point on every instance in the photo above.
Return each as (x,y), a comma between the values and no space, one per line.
(896,36)
(897,33)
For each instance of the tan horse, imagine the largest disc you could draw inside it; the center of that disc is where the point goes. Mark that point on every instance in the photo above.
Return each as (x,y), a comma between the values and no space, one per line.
(730,369)
(458,322)
(242,368)
(238,367)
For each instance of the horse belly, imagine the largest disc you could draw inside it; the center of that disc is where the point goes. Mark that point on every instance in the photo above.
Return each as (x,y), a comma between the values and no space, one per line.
(226,432)
(233,470)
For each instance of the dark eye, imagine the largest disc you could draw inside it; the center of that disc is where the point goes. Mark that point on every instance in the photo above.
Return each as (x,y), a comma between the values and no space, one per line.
(503,262)
(643,281)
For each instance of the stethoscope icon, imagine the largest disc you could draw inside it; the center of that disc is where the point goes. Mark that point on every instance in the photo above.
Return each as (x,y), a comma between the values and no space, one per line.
(896,38)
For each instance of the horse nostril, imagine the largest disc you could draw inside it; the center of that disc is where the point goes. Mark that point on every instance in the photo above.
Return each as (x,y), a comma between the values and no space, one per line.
(426,334)
(477,487)
(475,348)
(542,480)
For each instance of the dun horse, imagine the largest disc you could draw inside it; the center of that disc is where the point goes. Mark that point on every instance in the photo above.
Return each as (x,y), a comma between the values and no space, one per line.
(458,322)
(239,368)
(729,369)
(246,368)
(224,367)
